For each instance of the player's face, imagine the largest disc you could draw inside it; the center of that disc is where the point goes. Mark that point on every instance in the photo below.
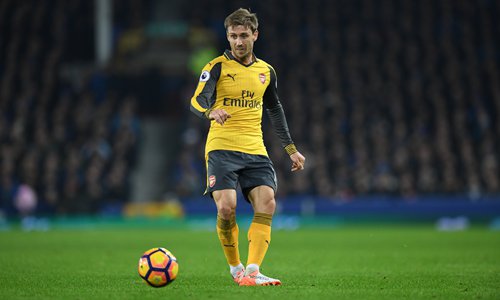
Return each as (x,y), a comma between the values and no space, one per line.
(241,39)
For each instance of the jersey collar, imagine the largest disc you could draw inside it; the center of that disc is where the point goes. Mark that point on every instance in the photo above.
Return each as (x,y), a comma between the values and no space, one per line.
(229,55)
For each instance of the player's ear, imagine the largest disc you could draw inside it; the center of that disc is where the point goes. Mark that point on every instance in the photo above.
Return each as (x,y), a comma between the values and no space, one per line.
(255,35)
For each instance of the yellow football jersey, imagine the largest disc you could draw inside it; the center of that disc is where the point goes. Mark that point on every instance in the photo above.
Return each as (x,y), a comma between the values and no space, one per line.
(243,91)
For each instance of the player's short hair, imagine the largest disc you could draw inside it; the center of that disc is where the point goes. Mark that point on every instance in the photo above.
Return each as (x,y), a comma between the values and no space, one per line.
(242,17)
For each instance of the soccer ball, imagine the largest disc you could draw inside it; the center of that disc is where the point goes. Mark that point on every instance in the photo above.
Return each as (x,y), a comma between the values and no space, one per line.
(158,267)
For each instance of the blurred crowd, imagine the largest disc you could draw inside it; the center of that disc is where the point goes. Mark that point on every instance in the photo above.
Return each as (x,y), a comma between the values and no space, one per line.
(65,146)
(383,97)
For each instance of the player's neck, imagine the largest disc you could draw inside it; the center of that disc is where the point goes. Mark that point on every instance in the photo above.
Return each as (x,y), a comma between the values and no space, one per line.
(244,60)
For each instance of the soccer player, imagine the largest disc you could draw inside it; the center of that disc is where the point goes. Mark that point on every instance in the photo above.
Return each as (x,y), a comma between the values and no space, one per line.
(233,91)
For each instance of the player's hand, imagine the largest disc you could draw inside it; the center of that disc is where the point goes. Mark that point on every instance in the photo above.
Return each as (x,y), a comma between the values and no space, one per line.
(219,115)
(298,161)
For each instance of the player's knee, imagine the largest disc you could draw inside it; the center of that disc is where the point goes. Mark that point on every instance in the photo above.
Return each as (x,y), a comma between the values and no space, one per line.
(225,211)
(268,206)
(226,203)
(271,205)
(226,207)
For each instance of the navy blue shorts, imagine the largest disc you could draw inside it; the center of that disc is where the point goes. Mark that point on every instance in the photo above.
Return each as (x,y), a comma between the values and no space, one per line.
(225,169)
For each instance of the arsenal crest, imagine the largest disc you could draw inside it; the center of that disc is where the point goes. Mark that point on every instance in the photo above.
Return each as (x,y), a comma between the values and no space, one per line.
(211,180)
(262,78)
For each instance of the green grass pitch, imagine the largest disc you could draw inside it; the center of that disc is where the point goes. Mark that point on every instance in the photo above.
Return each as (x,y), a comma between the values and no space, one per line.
(352,262)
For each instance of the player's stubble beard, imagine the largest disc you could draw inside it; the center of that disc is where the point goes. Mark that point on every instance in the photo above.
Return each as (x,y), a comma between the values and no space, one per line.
(245,54)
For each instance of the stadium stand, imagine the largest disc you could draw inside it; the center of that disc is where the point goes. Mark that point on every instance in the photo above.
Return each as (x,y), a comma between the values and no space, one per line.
(384,97)
(65,148)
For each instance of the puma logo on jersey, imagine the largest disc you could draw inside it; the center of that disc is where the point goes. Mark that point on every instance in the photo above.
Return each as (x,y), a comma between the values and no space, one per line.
(231,76)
